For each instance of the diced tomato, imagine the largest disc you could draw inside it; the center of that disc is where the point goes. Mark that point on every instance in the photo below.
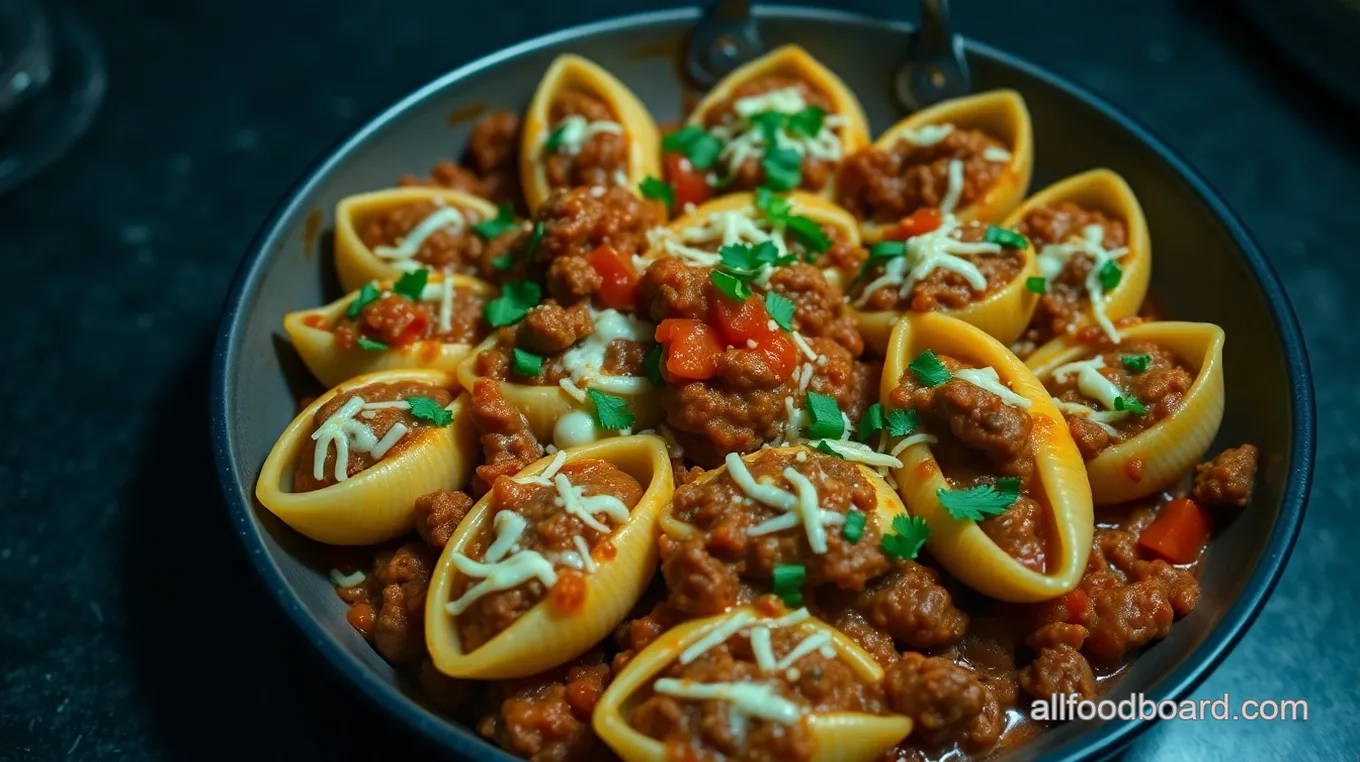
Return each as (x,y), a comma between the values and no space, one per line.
(1077,603)
(620,286)
(1179,532)
(691,349)
(690,185)
(749,322)
(919,222)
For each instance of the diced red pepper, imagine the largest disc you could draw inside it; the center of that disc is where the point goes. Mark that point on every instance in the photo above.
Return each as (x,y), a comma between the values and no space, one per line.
(691,349)
(620,286)
(690,185)
(1179,532)
(919,222)
(748,322)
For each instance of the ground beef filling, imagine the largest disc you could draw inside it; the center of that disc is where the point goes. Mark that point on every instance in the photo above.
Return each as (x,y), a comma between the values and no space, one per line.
(549,331)
(304,476)
(492,160)
(704,729)
(1161,389)
(552,532)
(981,437)
(397,321)
(887,185)
(448,249)
(724,515)
(1065,299)
(944,289)
(600,159)
(546,717)
(815,171)
(508,445)
(1227,480)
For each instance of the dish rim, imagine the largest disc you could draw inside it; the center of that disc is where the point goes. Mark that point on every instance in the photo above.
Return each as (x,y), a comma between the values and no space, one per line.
(1101,740)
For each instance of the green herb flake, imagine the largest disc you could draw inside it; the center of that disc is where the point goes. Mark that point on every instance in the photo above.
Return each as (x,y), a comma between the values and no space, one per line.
(984,500)
(554,140)
(515,301)
(367,294)
(880,253)
(1110,275)
(827,421)
(503,262)
(535,236)
(696,144)
(928,369)
(1136,363)
(427,409)
(730,285)
(656,188)
(808,232)
(1003,237)
(503,221)
(371,345)
(854,526)
(783,168)
(1037,284)
(1129,405)
(412,285)
(808,122)
(901,422)
(825,447)
(772,205)
(526,364)
(871,422)
(651,363)
(909,533)
(611,412)
(780,309)
(788,582)
(768,122)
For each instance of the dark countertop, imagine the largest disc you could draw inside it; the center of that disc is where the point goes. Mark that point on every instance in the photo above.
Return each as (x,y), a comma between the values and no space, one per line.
(132,626)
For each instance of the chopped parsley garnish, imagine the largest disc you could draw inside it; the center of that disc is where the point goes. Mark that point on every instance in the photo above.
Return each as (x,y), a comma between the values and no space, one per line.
(854,526)
(503,221)
(371,345)
(1109,275)
(901,422)
(882,252)
(780,309)
(554,140)
(611,412)
(696,144)
(788,583)
(535,236)
(772,205)
(783,168)
(909,533)
(808,232)
(1129,405)
(503,262)
(1136,363)
(928,369)
(824,446)
(1008,238)
(658,189)
(1037,284)
(412,285)
(768,122)
(515,301)
(526,364)
(731,286)
(871,421)
(427,409)
(827,422)
(367,294)
(744,259)
(981,501)
(651,363)
(807,122)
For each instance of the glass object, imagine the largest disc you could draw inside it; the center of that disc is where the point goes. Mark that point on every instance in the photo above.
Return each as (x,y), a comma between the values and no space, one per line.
(51,83)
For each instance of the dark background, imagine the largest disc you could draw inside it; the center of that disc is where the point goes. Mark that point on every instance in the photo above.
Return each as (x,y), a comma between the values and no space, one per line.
(132,626)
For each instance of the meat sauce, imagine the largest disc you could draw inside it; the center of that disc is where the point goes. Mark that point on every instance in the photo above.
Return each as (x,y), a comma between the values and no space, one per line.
(887,185)
(750,174)
(600,160)
(1065,299)
(942,288)
(396,320)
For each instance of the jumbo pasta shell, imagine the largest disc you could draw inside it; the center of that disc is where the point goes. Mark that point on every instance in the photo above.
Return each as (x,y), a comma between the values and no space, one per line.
(355,262)
(1001,114)
(1105,191)
(958,544)
(802,203)
(543,637)
(572,72)
(840,736)
(311,332)
(376,504)
(1170,447)
(795,62)
(1003,315)
(557,416)
(887,506)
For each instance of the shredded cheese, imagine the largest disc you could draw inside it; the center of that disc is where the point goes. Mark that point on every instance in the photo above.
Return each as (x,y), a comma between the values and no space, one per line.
(446,218)
(926,135)
(544,477)
(717,636)
(340,579)
(574,131)
(584,549)
(576,503)
(813,642)
(1052,260)
(761,649)
(988,379)
(501,571)
(803,346)
(748,699)
(938,249)
(742,140)
(996,155)
(585,361)
(1100,418)
(343,432)
(1090,381)
(859,452)
(951,196)
(911,440)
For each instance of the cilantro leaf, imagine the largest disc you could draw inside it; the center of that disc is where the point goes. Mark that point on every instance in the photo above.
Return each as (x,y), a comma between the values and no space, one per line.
(427,409)
(783,168)
(909,533)
(503,262)
(371,345)
(696,144)
(827,422)
(901,422)
(554,140)
(981,501)
(768,122)
(928,369)
(611,412)
(1110,275)
(1007,238)
(656,188)
(526,364)
(412,285)
(503,221)
(807,122)
(1136,363)
(730,285)
(825,446)
(871,422)
(808,232)
(367,293)
(1037,284)
(1130,405)
(651,363)
(535,236)
(780,309)
(774,206)
(882,252)
(515,301)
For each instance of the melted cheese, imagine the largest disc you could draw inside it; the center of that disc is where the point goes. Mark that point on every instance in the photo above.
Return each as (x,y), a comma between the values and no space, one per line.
(803,346)
(761,493)
(748,699)
(742,140)
(446,218)
(584,549)
(574,131)
(926,135)
(938,249)
(1100,418)
(761,649)
(1053,258)
(340,579)
(575,502)
(1090,381)
(345,433)
(996,155)
(585,361)
(955,190)
(801,508)
(814,642)
(987,378)
(809,512)
(860,453)
(389,439)
(911,440)
(501,571)
(717,636)
(544,477)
